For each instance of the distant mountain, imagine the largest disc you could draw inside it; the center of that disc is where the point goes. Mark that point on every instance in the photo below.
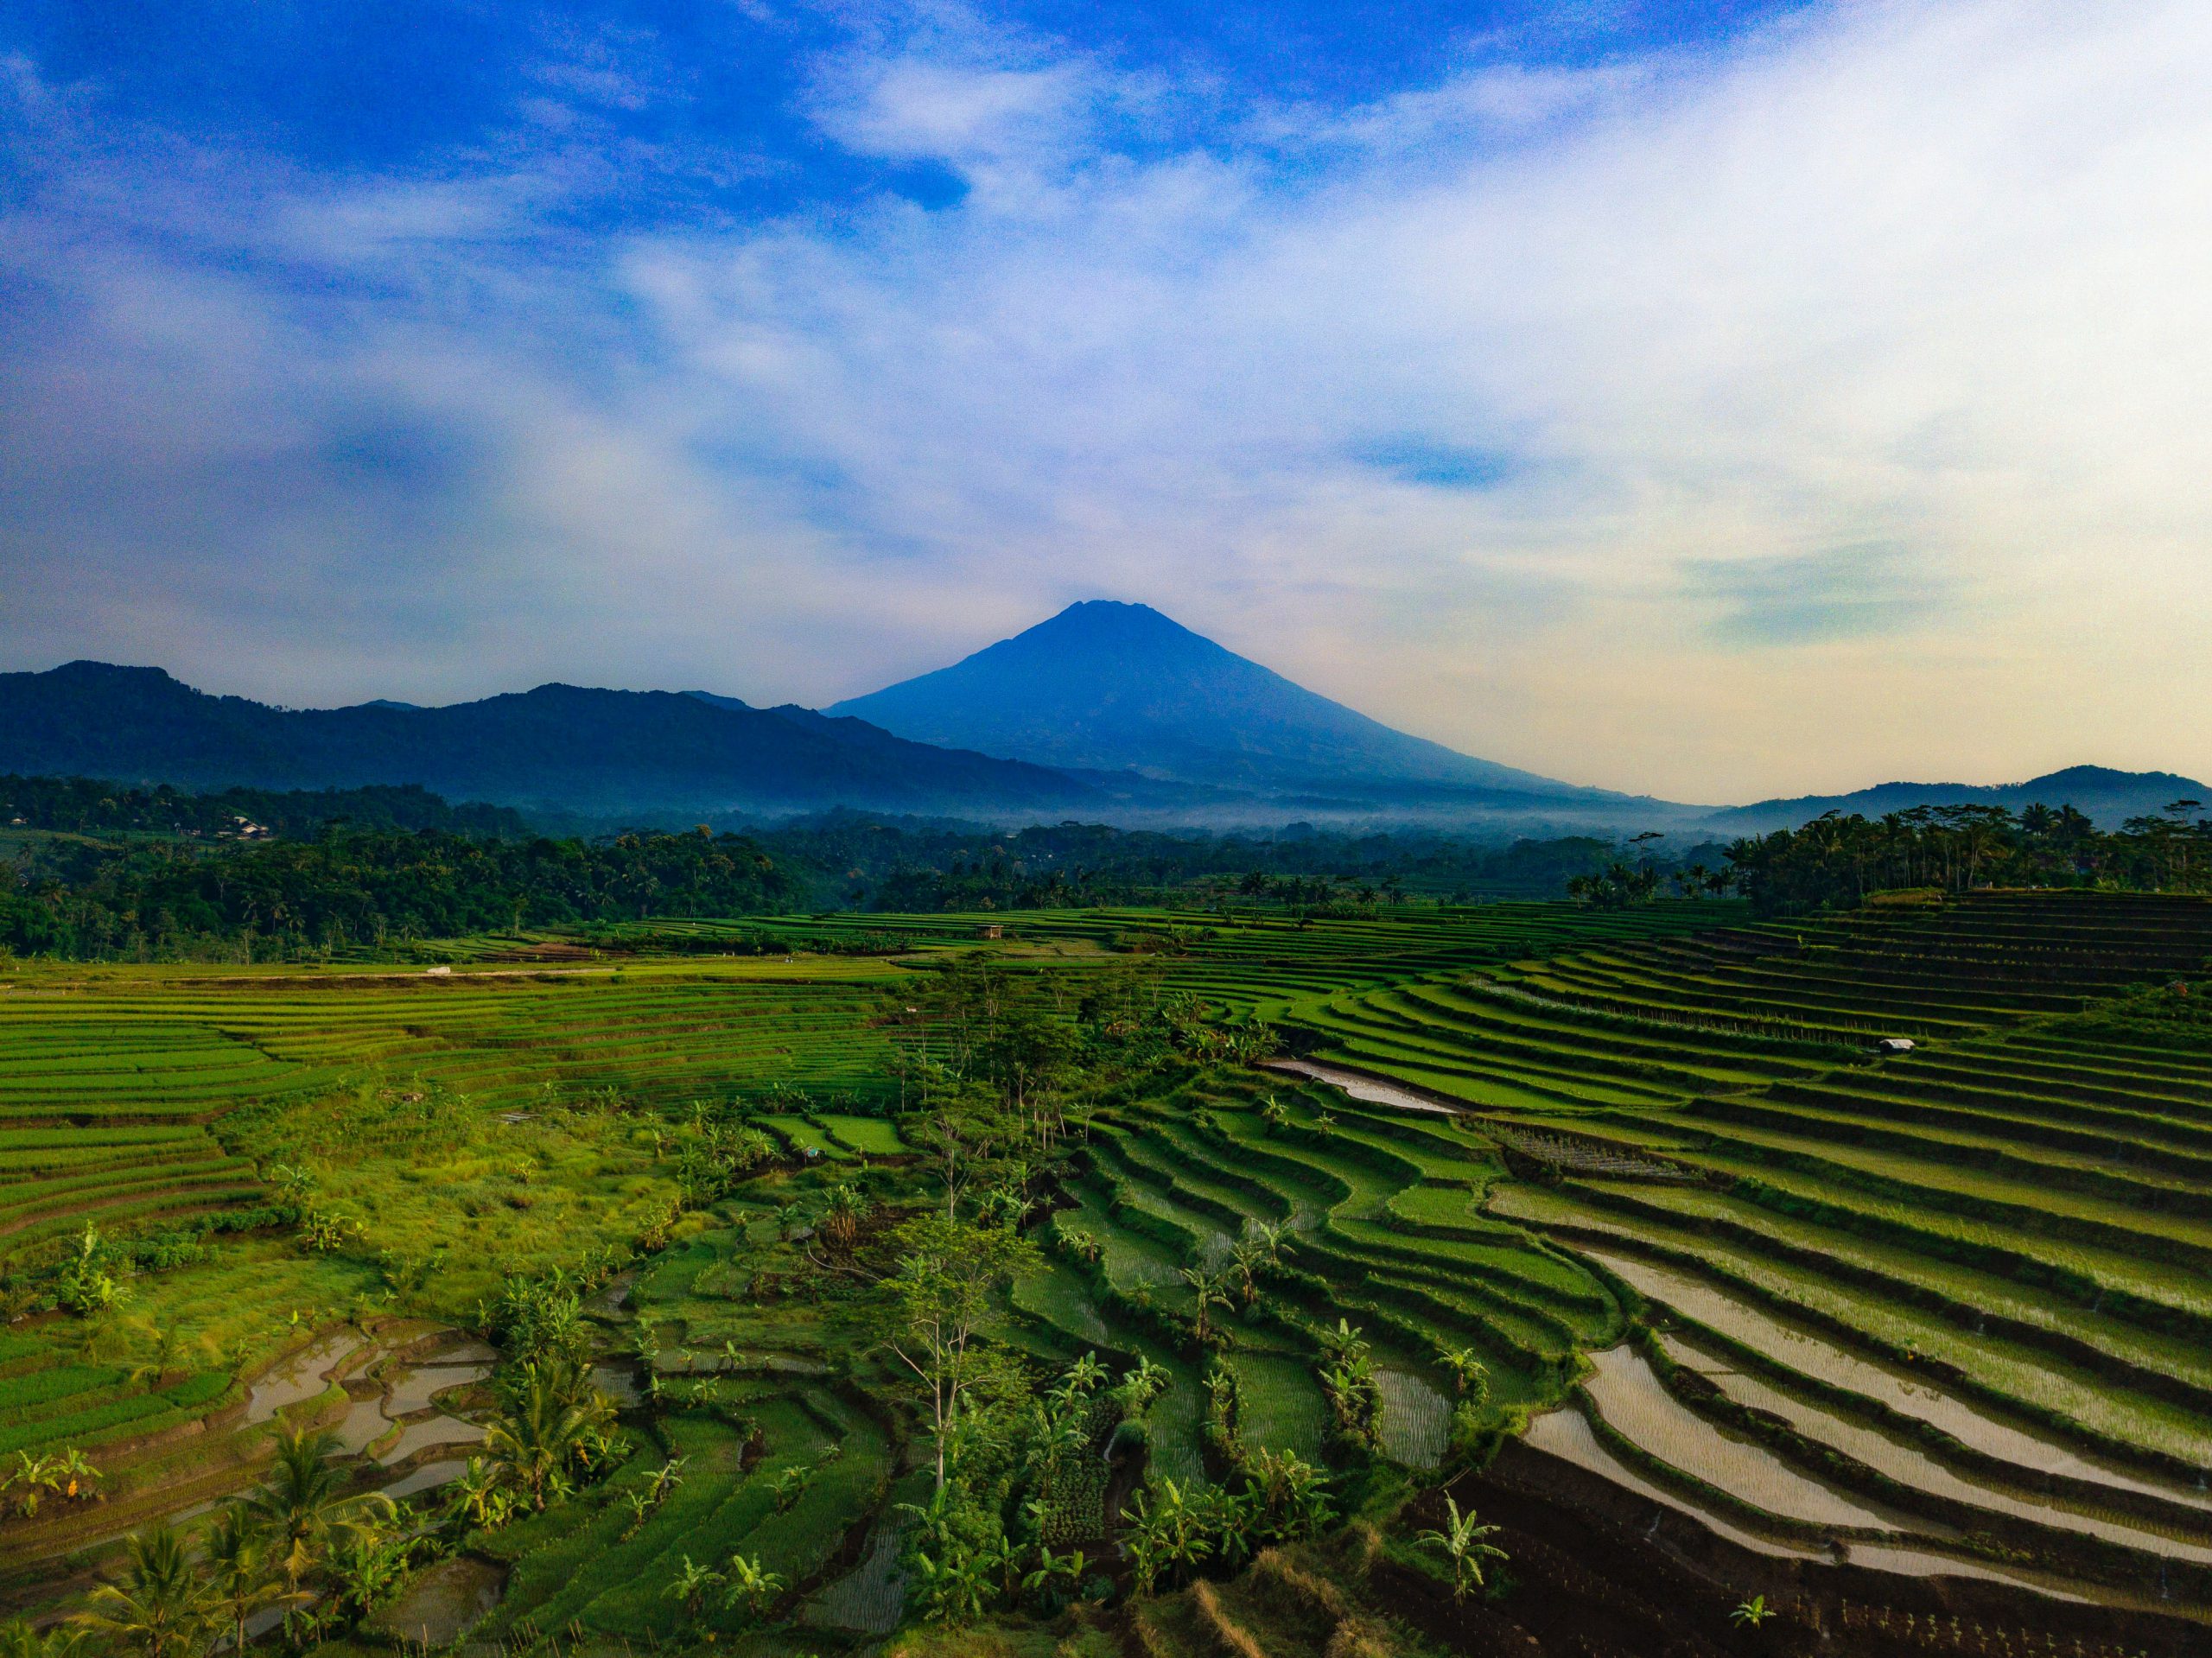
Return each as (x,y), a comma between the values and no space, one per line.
(1114,687)
(2109,796)
(584,752)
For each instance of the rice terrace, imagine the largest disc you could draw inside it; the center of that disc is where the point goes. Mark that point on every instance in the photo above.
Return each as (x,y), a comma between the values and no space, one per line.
(1135,1280)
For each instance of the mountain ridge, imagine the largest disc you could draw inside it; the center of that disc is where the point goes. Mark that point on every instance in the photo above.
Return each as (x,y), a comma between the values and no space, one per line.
(576,747)
(2103,793)
(674,756)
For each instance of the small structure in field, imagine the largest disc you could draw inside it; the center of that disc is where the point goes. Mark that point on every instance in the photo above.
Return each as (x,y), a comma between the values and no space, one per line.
(1893,1045)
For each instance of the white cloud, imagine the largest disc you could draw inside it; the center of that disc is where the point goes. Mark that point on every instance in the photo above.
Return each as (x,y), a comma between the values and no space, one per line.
(1826,411)
(1914,277)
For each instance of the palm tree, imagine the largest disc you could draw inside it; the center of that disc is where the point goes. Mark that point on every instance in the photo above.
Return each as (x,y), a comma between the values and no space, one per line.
(1464,1543)
(160,1348)
(240,1569)
(302,1506)
(547,1417)
(477,1498)
(160,1608)
(842,1217)
(21,1638)
(367,1560)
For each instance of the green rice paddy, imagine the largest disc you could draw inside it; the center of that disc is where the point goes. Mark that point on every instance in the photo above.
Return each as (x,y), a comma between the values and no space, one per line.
(1664,1117)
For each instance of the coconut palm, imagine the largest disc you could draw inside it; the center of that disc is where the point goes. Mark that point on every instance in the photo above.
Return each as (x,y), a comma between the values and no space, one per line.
(241,1571)
(1463,1542)
(478,1497)
(159,1609)
(303,1504)
(21,1638)
(548,1419)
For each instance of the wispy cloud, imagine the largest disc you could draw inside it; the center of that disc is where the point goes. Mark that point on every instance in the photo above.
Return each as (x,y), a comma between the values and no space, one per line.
(1695,420)
(1863,589)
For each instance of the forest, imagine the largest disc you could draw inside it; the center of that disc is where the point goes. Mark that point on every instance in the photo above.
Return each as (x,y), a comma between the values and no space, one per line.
(94,871)
(1838,861)
(91,870)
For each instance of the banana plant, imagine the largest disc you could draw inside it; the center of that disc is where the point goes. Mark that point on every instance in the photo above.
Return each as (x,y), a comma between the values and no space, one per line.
(751,1588)
(1464,1543)
(690,1584)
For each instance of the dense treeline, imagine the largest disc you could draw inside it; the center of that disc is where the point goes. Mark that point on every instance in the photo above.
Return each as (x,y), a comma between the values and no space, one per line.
(1838,860)
(88,806)
(870,864)
(99,870)
(349,887)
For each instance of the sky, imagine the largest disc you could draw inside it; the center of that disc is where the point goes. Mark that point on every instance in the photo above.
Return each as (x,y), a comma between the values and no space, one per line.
(1717,400)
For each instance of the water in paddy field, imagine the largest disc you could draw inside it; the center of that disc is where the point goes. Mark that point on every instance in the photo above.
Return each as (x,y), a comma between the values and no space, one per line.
(431,1431)
(413,1390)
(618,1381)
(428,1478)
(1908,1464)
(870,1597)
(1372,1090)
(1628,1395)
(1416,1418)
(1565,1434)
(1902,1391)
(443,1603)
(301,1376)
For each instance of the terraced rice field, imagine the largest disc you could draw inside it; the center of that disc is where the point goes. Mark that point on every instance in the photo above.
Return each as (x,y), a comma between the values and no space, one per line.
(1964,1287)
(1946,1312)
(155,1103)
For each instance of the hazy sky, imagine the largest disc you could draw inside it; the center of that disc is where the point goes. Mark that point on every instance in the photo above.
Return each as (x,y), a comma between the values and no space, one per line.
(1719,400)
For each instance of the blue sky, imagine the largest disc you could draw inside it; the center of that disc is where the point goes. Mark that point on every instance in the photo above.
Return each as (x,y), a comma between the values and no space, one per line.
(1713,399)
